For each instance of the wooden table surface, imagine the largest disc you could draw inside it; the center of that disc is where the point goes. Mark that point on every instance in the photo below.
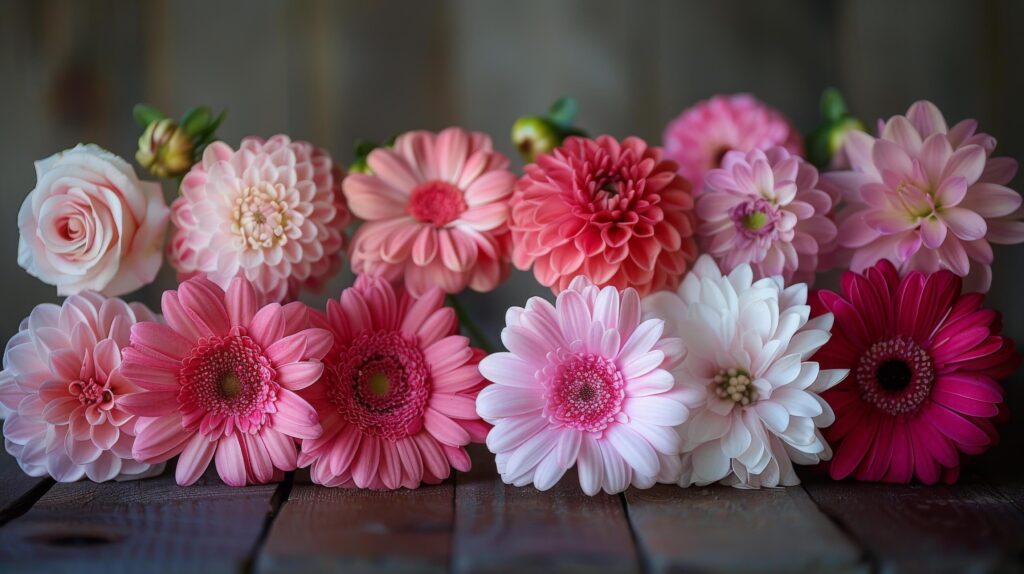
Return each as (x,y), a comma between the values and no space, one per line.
(474,523)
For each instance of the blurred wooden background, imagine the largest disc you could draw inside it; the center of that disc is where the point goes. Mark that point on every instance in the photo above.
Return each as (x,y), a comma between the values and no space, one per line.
(331,72)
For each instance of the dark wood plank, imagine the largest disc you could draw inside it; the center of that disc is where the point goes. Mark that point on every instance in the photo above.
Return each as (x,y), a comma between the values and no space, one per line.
(918,528)
(500,528)
(347,530)
(722,529)
(148,525)
(18,491)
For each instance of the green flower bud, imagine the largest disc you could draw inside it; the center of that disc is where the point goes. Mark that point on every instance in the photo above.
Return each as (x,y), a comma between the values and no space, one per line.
(165,150)
(825,142)
(534,136)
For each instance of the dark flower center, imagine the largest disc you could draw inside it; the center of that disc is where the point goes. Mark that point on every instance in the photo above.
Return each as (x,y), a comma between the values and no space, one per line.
(894,375)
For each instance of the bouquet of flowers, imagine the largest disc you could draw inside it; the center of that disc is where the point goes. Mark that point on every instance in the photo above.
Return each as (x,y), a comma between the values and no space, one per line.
(684,343)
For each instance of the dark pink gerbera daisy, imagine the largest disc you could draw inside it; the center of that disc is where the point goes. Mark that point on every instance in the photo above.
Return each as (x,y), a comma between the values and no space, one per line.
(924,363)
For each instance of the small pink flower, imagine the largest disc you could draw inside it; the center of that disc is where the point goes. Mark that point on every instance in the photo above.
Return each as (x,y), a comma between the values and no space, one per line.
(927,197)
(396,401)
(436,209)
(62,390)
(272,212)
(700,137)
(219,382)
(764,208)
(91,224)
(614,212)
(585,383)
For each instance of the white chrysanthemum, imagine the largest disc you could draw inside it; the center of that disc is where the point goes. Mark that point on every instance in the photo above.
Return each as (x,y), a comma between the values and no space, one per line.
(752,391)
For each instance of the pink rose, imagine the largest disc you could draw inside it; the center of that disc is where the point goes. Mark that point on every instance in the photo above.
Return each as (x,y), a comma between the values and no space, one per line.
(91,224)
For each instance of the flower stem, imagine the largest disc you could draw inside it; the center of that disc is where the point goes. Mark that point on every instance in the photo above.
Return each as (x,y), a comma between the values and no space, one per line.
(476,334)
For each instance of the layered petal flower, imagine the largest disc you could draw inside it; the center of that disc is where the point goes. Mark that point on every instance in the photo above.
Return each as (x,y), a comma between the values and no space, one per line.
(62,391)
(752,389)
(614,212)
(396,401)
(219,382)
(926,362)
(584,383)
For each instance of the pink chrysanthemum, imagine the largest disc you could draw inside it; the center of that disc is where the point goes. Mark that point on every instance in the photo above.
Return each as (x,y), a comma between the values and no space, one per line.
(436,210)
(764,208)
(272,212)
(924,363)
(612,211)
(585,383)
(62,391)
(397,399)
(927,197)
(700,137)
(218,382)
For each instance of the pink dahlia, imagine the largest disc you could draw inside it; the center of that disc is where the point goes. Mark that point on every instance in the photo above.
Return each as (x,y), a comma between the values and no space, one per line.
(614,212)
(397,398)
(924,364)
(927,197)
(62,390)
(435,208)
(585,383)
(219,382)
(271,212)
(700,137)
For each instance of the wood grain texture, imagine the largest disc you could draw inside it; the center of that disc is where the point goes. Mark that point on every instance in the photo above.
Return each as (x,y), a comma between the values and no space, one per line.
(500,528)
(916,528)
(722,529)
(347,530)
(147,525)
(18,491)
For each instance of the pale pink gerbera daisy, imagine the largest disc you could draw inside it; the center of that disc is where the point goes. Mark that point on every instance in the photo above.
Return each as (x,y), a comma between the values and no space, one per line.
(271,211)
(585,383)
(218,382)
(927,197)
(436,209)
(764,208)
(61,390)
(397,399)
(700,137)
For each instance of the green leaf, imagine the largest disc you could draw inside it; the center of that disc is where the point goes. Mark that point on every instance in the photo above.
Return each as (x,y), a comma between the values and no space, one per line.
(196,120)
(832,105)
(206,135)
(563,112)
(363,148)
(146,114)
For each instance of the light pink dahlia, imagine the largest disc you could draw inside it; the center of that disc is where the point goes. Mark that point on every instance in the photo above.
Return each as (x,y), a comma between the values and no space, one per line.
(585,383)
(62,390)
(272,212)
(397,399)
(435,209)
(219,382)
(614,212)
(700,137)
(927,197)
(764,208)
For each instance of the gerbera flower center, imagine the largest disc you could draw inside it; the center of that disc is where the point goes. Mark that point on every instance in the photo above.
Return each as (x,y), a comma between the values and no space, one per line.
(260,216)
(735,385)
(228,378)
(91,393)
(755,219)
(586,393)
(381,384)
(436,202)
(895,376)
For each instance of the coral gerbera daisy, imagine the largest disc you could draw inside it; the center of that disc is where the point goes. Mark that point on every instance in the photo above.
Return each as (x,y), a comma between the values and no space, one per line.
(435,208)
(751,386)
(61,390)
(272,212)
(764,208)
(219,382)
(925,363)
(584,383)
(927,197)
(397,399)
(614,212)
(700,137)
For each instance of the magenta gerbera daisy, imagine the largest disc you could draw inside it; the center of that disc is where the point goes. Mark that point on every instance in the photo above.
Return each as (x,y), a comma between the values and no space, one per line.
(219,382)
(925,364)
(397,400)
